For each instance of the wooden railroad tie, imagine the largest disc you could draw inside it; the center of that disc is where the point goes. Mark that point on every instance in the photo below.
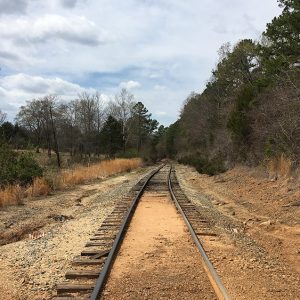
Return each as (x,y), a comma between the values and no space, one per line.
(73,288)
(88,274)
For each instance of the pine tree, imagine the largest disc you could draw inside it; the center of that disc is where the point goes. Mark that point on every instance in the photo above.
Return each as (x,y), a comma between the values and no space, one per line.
(111,136)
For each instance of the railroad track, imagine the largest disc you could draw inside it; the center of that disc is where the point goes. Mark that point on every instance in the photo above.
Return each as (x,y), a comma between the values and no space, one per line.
(91,269)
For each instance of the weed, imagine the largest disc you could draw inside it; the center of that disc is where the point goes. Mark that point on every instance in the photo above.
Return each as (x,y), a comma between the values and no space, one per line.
(39,187)
(11,195)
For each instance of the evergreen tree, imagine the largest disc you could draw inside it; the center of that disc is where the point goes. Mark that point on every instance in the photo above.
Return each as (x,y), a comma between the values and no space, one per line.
(111,136)
(282,46)
(141,124)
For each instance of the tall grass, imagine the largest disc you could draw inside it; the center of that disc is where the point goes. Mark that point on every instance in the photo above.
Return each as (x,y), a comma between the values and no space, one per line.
(81,174)
(14,194)
(280,166)
(11,195)
(39,187)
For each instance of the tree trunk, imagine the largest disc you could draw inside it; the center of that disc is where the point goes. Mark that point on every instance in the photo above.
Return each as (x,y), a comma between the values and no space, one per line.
(55,139)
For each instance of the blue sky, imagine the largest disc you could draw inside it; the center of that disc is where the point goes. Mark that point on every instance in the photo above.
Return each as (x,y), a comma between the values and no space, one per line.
(161,50)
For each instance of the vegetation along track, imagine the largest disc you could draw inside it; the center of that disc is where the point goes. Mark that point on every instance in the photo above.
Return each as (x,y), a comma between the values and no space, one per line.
(92,268)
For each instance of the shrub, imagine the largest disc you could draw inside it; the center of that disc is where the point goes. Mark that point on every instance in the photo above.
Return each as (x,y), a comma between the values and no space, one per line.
(8,165)
(28,169)
(17,168)
(203,165)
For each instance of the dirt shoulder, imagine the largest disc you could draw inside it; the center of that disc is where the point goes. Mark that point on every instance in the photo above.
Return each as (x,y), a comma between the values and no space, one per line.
(51,231)
(257,250)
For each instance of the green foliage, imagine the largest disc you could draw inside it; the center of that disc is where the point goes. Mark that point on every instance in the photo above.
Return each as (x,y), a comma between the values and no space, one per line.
(28,168)
(236,67)
(129,153)
(250,106)
(204,165)
(13,135)
(141,125)
(17,168)
(111,136)
(171,135)
(239,122)
(282,47)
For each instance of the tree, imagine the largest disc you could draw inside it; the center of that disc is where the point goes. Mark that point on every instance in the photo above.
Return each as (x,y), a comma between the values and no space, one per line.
(121,109)
(281,47)
(2,117)
(141,124)
(31,118)
(89,118)
(111,136)
(236,67)
(39,116)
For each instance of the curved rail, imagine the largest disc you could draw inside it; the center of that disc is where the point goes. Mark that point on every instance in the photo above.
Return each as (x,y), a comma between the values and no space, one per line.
(112,254)
(214,278)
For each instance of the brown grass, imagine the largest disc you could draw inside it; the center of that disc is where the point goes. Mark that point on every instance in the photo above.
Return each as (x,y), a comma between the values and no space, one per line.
(103,169)
(40,187)
(11,195)
(14,194)
(280,166)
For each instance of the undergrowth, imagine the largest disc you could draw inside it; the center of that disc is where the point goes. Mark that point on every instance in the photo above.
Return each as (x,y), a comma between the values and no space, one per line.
(42,186)
(203,165)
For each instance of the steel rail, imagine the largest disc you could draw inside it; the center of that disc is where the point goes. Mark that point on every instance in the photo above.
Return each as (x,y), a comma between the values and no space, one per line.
(220,290)
(100,283)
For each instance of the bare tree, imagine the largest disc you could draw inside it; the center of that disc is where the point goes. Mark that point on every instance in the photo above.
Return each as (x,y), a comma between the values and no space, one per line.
(39,116)
(2,117)
(122,109)
(30,117)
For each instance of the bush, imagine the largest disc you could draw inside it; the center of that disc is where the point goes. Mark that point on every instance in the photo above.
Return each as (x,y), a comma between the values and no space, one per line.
(28,169)
(203,165)
(17,168)
(8,165)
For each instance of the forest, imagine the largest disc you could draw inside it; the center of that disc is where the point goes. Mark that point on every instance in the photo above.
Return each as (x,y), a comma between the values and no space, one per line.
(249,110)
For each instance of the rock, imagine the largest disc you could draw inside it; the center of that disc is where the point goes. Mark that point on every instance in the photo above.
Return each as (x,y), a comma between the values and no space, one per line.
(266,223)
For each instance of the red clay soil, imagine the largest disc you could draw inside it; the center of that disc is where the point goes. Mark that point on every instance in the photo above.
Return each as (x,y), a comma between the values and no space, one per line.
(158,259)
(257,221)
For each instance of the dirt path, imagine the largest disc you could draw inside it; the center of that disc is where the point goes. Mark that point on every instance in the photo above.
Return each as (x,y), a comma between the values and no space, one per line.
(30,268)
(158,259)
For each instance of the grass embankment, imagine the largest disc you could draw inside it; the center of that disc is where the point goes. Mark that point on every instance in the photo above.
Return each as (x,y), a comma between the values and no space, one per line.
(42,186)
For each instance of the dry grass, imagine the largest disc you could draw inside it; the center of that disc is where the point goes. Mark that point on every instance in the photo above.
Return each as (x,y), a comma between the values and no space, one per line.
(280,166)
(40,187)
(14,194)
(11,195)
(103,169)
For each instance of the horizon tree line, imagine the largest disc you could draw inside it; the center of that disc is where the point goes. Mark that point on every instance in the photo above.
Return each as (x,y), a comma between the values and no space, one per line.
(84,127)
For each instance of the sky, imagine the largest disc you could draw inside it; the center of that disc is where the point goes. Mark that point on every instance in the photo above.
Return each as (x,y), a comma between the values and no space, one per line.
(161,50)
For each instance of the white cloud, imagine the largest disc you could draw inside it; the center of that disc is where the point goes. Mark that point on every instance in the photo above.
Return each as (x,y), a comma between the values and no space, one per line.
(37,85)
(75,29)
(16,89)
(131,84)
(159,43)
(159,87)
